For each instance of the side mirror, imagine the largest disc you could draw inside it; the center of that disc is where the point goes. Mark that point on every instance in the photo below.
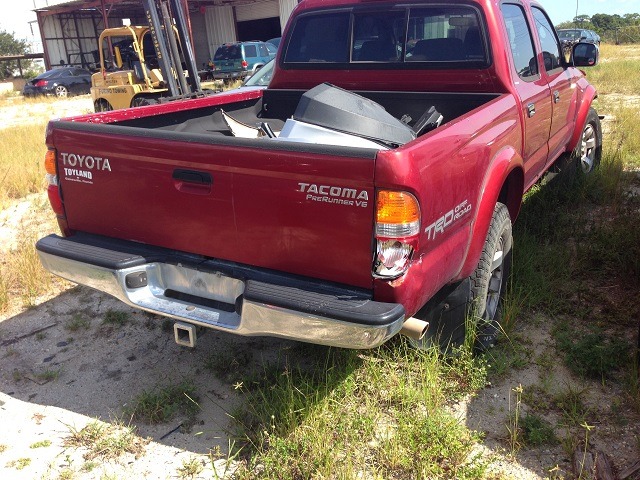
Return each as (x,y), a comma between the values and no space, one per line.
(585,54)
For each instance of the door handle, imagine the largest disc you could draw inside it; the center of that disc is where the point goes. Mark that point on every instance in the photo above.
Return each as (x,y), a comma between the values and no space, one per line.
(192,176)
(192,181)
(556,96)
(531,109)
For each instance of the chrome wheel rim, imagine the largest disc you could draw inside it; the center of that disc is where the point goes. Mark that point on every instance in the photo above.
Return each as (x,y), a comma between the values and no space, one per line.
(588,149)
(61,91)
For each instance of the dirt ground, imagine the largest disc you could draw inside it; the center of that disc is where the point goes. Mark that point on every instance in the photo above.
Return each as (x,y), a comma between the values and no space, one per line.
(62,367)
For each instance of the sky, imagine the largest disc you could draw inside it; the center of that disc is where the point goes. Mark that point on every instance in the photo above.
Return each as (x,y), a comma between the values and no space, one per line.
(15,14)
(564,10)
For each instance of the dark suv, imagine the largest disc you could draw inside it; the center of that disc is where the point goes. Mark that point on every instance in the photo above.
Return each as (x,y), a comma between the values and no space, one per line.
(574,35)
(237,60)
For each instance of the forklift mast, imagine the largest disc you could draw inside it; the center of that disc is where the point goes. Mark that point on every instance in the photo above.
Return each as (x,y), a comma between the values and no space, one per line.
(161,15)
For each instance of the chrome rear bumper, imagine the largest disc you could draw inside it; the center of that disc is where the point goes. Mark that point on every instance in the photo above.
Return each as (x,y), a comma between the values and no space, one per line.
(223,296)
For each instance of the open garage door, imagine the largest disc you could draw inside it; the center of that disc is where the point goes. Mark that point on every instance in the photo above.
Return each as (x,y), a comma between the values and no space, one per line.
(258,21)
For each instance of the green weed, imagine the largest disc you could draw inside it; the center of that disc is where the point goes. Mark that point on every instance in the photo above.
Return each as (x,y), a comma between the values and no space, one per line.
(78,321)
(228,361)
(40,444)
(325,412)
(19,464)
(591,354)
(536,431)
(106,441)
(190,468)
(162,404)
(115,317)
(49,375)
(571,403)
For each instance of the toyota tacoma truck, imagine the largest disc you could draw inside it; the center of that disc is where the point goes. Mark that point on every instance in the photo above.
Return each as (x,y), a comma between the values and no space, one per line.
(369,190)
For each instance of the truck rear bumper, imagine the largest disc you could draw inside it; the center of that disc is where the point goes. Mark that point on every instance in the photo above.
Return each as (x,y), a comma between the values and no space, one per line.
(223,295)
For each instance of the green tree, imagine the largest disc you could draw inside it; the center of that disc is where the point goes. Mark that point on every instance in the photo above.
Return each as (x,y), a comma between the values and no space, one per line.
(631,19)
(582,20)
(10,45)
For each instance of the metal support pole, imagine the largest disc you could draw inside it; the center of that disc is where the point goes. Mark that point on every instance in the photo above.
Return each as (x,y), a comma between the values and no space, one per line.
(185,42)
(160,45)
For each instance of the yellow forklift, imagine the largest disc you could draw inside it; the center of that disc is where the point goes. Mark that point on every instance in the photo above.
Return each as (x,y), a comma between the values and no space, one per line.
(145,65)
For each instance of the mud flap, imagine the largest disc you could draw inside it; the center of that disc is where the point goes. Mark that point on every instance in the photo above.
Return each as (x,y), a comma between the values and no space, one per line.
(446,313)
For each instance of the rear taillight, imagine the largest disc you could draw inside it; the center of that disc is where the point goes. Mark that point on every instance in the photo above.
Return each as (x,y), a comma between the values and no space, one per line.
(53,190)
(244,64)
(41,83)
(397,229)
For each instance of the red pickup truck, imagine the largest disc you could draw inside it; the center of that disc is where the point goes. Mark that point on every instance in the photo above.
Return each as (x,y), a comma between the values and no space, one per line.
(369,190)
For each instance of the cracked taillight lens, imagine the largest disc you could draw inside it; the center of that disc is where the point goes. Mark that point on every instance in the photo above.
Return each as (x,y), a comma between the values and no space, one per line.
(397,229)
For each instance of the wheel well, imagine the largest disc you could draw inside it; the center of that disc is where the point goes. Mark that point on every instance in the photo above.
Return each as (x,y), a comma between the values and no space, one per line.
(512,191)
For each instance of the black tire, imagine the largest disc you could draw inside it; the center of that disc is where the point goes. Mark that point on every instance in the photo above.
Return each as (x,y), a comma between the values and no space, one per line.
(475,302)
(489,280)
(143,101)
(101,105)
(588,152)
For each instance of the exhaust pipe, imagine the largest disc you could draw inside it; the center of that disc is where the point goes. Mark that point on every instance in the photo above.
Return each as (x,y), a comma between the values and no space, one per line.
(185,334)
(414,328)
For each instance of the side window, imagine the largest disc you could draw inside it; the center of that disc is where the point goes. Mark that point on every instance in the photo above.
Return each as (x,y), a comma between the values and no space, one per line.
(263,50)
(550,46)
(250,51)
(520,40)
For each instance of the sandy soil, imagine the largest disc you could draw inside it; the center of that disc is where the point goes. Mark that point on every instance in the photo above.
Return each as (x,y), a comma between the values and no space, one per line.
(55,379)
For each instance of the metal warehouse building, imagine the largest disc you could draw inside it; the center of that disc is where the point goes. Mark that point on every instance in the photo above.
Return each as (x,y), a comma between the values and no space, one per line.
(70,30)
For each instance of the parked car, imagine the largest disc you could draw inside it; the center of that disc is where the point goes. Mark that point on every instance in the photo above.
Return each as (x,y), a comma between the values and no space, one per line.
(61,82)
(574,35)
(234,61)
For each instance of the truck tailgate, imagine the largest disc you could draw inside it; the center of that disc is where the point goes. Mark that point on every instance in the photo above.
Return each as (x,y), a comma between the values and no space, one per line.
(299,208)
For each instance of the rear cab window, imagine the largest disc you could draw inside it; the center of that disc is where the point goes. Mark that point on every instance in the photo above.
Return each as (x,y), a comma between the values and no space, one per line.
(403,37)
(228,52)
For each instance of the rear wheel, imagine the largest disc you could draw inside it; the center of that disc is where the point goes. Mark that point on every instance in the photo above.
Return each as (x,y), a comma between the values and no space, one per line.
(61,91)
(489,280)
(101,105)
(143,101)
(475,304)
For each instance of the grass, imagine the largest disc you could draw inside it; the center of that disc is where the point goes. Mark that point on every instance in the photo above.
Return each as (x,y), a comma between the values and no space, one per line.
(331,417)
(536,431)
(190,468)
(592,354)
(49,375)
(105,441)
(117,318)
(22,162)
(41,444)
(163,403)
(77,322)
(23,276)
(19,464)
